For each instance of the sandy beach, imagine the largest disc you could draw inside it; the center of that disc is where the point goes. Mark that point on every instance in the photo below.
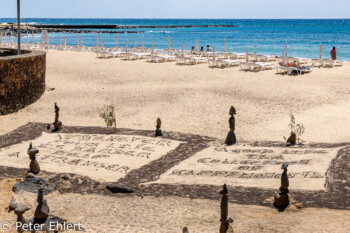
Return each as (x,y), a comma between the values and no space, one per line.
(131,214)
(191,100)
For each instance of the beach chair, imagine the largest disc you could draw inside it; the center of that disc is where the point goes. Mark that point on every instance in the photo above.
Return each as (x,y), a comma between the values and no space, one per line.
(339,63)
(260,66)
(265,58)
(245,66)
(166,58)
(317,62)
(327,63)
(228,63)
(196,57)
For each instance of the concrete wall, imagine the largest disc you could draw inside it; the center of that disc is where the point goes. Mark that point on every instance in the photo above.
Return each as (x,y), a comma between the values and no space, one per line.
(22,79)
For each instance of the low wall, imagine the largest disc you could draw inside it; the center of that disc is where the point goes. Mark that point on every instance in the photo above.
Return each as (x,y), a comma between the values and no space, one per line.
(22,79)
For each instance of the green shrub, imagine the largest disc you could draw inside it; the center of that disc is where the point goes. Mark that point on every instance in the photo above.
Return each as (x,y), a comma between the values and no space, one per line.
(109,116)
(298,129)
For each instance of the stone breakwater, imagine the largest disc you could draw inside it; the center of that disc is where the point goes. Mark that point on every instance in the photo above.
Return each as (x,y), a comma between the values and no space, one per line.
(57,30)
(36,29)
(127,27)
(22,79)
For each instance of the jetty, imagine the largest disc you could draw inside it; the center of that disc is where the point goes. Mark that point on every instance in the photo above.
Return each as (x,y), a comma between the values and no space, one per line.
(111,26)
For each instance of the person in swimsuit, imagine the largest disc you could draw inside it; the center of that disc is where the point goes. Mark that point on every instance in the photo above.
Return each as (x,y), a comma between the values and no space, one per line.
(334,54)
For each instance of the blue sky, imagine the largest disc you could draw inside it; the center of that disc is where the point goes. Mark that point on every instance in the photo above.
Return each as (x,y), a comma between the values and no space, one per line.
(177,8)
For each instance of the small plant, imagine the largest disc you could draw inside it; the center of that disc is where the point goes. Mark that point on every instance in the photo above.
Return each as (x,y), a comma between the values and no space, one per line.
(108,116)
(297,129)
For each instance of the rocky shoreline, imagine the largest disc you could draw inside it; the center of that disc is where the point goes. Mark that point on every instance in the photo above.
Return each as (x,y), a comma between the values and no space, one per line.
(37,29)
(127,27)
(8,30)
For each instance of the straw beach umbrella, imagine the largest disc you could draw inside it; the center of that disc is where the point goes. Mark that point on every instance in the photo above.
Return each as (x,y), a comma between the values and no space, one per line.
(152,52)
(126,47)
(196,44)
(65,40)
(77,39)
(182,48)
(0,37)
(143,42)
(225,46)
(116,41)
(286,51)
(169,44)
(246,55)
(27,38)
(59,38)
(214,58)
(11,37)
(135,42)
(284,57)
(255,49)
(320,52)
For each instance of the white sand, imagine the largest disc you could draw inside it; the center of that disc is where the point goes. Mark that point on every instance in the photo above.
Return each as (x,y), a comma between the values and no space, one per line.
(191,99)
(123,214)
(253,167)
(105,158)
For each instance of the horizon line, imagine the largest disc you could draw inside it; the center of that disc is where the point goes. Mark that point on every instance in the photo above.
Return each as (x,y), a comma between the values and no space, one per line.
(185,18)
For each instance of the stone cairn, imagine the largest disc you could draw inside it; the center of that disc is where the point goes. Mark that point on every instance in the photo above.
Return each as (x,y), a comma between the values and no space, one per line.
(20,219)
(56,124)
(34,165)
(282,199)
(225,220)
(42,210)
(231,137)
(159,132)
(292,140)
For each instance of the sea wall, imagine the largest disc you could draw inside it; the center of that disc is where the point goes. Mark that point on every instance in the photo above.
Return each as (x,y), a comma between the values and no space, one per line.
(22,79)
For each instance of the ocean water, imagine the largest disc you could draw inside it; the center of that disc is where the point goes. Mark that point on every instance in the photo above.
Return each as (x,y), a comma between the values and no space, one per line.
(303,36)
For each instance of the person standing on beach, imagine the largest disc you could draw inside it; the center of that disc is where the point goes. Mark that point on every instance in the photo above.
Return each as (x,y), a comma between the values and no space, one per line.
(208,49)
(334,53)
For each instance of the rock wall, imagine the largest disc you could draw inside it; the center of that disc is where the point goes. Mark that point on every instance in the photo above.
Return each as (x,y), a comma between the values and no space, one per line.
(22,79)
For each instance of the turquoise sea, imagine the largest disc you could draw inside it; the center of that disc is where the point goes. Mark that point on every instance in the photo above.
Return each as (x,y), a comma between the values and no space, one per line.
(303,36)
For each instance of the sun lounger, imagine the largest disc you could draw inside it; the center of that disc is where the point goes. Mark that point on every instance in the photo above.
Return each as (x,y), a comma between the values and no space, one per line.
(245,65)
(331,63)
(328,63)
(227,63)
(195,60)
(299,60)
(281,69)
(260,66)
(135,56)
(339,63)
(265,58)
(294,70)
(166,58)
(317,62)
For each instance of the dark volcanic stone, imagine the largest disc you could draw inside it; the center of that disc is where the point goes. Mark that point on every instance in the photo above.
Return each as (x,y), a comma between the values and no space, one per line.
(52,221)
(13,205)
(32,185)
(115,188)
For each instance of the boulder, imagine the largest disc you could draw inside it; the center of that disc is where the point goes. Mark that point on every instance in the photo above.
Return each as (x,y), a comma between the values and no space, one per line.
(32,184)
(115,188)
(282,200)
